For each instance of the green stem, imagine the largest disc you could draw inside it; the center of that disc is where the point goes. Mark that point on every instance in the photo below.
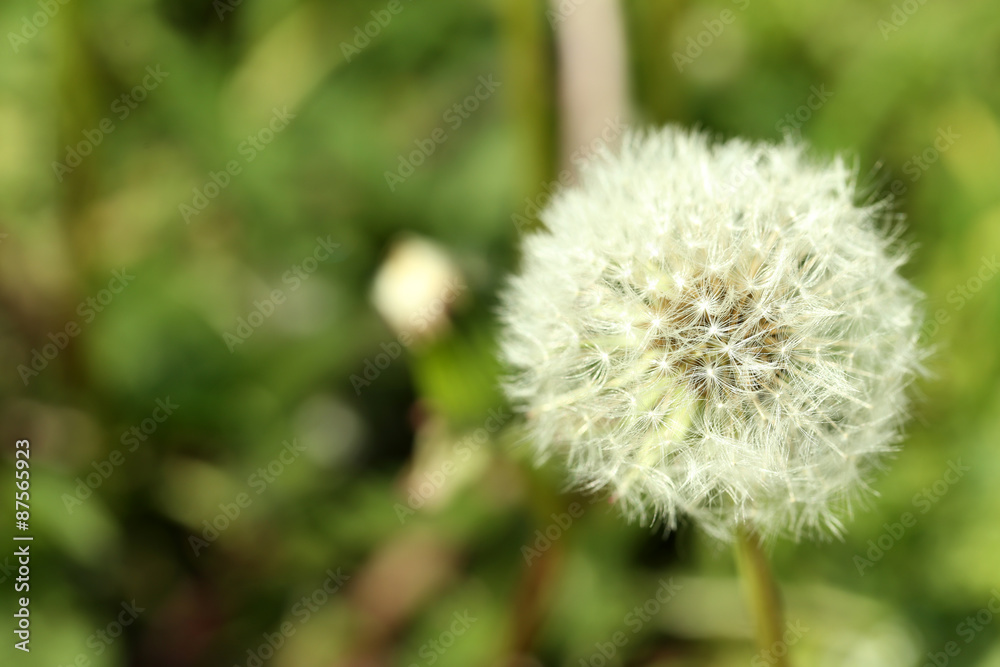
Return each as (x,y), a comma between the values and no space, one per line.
(762,592)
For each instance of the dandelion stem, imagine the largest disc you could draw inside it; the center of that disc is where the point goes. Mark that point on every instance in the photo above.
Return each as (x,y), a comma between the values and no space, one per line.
(762,593)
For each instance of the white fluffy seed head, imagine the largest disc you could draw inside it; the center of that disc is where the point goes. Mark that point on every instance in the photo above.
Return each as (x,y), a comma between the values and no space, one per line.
(714,330)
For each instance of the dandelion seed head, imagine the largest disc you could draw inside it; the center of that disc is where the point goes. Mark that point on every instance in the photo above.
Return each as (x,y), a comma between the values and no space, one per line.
(755,351)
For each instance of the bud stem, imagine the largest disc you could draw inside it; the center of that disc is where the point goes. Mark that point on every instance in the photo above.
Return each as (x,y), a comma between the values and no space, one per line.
(762,594)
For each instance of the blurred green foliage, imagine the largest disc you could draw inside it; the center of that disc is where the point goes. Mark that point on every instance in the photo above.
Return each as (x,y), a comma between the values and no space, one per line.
(895,78)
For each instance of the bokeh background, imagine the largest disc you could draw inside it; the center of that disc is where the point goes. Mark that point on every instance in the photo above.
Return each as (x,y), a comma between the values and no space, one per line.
(254,353)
